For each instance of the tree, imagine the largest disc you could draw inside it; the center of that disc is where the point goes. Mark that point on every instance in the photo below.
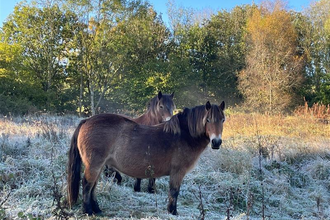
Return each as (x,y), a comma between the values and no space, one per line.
(45,35)
(273,67)
(92,57)
(14,90)
(119,43)
(213,50)
(184,80)
(144,39)
(223,52)
(315,43)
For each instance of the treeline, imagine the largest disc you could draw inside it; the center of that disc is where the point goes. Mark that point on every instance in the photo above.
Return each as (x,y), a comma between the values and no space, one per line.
(87,57)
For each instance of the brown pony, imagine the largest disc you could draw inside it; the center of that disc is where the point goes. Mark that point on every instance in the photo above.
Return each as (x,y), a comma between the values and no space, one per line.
(168,149)
(160,109)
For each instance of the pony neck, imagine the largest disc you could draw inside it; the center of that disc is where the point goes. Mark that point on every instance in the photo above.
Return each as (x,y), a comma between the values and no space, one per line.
(178,126)
(149,118)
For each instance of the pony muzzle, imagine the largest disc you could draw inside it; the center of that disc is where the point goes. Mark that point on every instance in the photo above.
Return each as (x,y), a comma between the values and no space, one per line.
(215,143)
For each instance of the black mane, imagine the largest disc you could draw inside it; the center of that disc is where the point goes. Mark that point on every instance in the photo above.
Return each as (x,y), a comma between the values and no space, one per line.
(193,120)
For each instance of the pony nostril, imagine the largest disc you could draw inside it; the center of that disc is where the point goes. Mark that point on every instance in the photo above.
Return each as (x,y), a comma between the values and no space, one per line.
(216,143)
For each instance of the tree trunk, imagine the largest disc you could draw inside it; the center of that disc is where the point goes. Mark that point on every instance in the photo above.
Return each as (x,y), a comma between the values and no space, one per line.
(92,98)
(80,93)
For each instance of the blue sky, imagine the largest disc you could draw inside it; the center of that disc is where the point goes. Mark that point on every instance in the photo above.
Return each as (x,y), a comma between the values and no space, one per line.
(7,6)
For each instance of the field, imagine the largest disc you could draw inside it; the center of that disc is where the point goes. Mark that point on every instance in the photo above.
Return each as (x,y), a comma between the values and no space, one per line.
(271,167)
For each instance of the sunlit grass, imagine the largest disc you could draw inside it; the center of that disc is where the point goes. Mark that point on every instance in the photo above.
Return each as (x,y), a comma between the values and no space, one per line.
(306,128)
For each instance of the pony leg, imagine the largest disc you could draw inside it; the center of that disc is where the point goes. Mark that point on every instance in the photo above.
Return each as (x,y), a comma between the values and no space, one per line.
(118,177)
(94,203)
(172,202)
(137,185)
(87,196)
(108,173)
(90,204)
(175,183)
(151,186)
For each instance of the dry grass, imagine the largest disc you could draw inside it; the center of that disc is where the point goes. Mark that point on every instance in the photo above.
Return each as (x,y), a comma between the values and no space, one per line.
(274,165)
(319,111)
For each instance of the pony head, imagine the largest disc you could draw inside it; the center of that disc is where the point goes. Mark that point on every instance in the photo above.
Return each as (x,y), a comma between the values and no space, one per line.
(165,106)
(214,120)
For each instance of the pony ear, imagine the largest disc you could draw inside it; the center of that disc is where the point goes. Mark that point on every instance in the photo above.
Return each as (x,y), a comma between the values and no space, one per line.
(222,105)
(160,95)
(208,105)
(172,95)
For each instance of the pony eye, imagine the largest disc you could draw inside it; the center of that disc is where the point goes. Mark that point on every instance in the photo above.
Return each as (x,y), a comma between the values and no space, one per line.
(161,106)
(208,120)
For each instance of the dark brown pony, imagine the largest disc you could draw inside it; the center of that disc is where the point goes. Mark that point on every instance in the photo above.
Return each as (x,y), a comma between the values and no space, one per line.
(160,109)
(168,149)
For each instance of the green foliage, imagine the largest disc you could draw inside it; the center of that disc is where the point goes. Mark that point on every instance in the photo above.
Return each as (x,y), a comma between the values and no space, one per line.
(37,71)
(108,56)
(144,54)
(225,52)
(315,42)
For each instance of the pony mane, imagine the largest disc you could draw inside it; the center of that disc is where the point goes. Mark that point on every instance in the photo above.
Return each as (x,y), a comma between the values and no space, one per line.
(192,119)
(196,121)
(152,103)
(173,125)
(151,106)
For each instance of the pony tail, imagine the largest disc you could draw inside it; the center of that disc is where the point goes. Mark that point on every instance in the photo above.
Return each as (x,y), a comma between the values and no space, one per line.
(74,167)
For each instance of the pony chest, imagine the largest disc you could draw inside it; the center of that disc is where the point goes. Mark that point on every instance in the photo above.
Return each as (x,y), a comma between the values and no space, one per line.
(184,159)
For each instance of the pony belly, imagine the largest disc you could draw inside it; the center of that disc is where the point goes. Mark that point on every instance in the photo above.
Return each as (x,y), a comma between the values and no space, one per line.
(140,162)
(143,172)
(140,170)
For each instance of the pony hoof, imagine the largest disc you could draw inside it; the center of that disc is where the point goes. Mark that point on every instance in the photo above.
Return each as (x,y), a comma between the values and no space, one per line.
(87,209)
(97,211)
(137,189)
(96,208)
(173,212)
(151,190)
(100,213)
(88,212)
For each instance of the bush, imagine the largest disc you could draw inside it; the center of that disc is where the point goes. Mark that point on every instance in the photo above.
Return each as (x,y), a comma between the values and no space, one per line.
(15,106)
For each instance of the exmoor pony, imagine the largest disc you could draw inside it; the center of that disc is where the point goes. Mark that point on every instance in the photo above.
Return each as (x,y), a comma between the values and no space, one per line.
(160,109)
(168,149)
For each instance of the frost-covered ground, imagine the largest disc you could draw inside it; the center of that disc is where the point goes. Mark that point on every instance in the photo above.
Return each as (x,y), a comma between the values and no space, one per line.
(276,167)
